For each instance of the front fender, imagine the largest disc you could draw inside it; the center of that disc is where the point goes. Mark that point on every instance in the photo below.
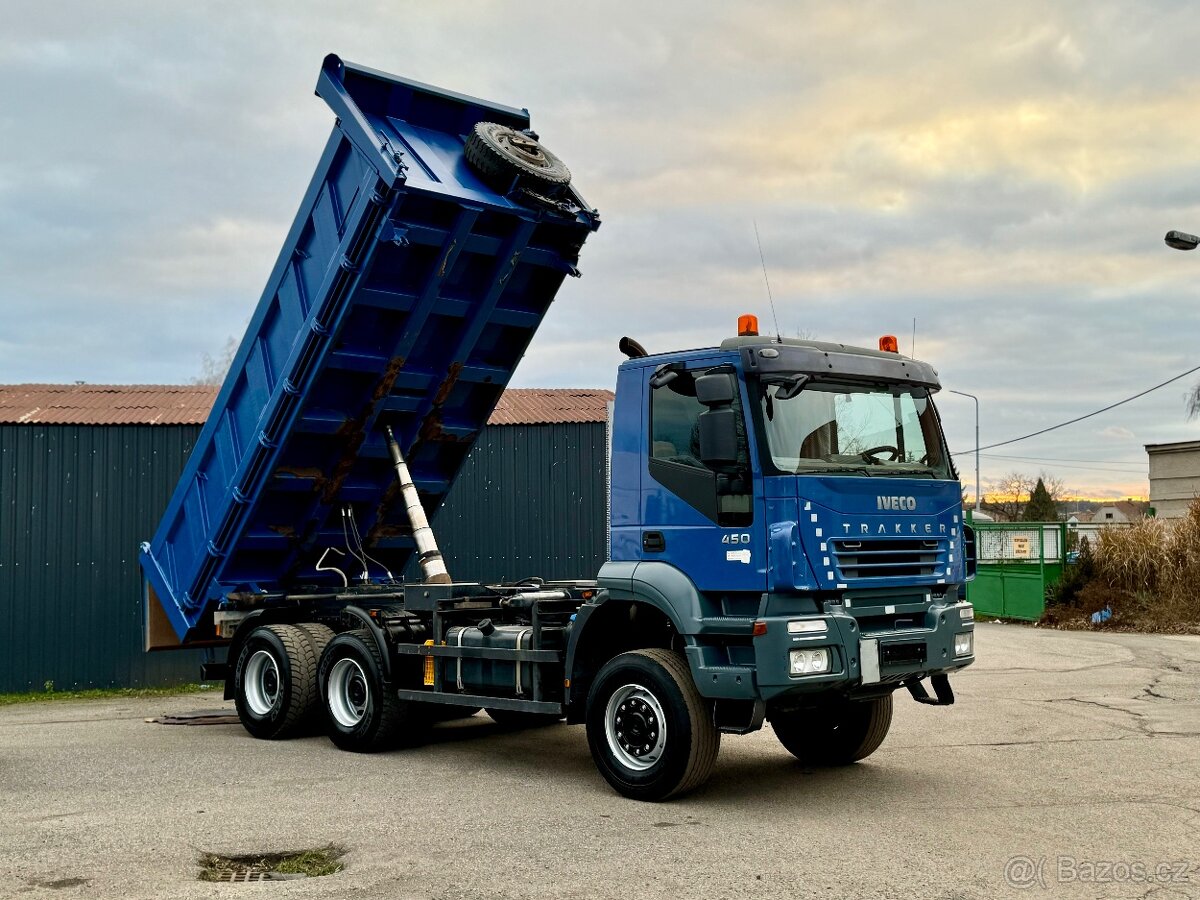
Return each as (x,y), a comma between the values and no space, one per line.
(660,584)
(671,593)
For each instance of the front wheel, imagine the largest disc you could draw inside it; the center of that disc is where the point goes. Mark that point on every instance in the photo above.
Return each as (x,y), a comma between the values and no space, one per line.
(650,732)
(361,713)
(836,736)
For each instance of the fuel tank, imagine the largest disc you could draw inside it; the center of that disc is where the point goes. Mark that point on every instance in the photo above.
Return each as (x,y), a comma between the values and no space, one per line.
(496,677)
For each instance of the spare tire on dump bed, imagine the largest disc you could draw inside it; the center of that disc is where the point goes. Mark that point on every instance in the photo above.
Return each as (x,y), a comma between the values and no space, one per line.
(507,159)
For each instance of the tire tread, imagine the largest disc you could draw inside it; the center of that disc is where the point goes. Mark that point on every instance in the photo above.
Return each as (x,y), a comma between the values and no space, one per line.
(800,733)
(302,666)
(494,164)
(706,739)
(320,635)
(393,712)
(877,729)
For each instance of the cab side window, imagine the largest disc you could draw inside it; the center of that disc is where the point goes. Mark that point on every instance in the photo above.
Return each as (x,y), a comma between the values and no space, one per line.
(674,422)
(722,495)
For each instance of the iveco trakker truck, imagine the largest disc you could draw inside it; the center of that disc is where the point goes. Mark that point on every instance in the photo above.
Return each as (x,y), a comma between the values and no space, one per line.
(787,539)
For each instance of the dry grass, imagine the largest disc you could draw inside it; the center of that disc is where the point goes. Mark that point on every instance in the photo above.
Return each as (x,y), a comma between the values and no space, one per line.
(1149,573)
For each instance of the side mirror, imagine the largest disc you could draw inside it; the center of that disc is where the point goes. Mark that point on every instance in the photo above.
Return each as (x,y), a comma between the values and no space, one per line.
(718,436)
(716,390)
(718,424)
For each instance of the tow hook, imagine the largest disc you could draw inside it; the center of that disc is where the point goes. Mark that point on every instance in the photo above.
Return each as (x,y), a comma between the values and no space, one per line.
(941,687)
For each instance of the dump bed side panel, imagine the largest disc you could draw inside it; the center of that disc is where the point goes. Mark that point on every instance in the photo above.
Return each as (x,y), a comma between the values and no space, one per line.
(405,295)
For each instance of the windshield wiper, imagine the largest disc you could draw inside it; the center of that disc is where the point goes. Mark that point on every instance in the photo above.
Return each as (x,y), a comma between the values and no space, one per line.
(823,470)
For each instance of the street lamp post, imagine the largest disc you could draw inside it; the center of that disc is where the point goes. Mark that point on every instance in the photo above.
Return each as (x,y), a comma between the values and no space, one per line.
(978,495)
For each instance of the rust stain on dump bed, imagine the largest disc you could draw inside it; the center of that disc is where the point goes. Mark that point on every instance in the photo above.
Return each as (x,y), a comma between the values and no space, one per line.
(353,432)
(447,386)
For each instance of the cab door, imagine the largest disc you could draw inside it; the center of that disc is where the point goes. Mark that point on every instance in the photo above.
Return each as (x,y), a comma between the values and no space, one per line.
(705,520)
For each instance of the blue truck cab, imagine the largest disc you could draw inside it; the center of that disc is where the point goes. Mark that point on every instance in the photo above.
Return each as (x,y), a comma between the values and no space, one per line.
(787,535)
(791,507)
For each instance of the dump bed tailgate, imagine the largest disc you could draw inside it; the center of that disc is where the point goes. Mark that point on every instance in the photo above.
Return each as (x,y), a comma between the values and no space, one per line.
(404,296)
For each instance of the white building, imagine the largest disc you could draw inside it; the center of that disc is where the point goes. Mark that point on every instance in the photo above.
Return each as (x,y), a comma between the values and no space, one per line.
(1120,513)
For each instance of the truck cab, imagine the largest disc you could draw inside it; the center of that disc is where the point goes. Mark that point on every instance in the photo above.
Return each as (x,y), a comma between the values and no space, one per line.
(792,510)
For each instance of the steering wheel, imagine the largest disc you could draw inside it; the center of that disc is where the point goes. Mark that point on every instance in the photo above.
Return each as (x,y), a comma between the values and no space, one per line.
(893,453)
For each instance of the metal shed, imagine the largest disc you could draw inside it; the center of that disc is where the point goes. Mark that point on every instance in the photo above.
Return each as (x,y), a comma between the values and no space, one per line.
(86,471)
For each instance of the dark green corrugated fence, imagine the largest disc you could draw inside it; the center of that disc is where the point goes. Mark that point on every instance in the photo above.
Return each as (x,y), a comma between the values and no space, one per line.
(529,501)
(75,501)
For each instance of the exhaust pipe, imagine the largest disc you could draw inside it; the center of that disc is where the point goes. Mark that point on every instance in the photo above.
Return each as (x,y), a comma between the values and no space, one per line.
(433,567)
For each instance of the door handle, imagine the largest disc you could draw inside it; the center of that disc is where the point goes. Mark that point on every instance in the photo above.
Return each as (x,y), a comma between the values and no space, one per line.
(653,542)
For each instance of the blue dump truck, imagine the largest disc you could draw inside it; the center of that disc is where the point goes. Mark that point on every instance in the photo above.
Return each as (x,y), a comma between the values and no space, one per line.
(787,539)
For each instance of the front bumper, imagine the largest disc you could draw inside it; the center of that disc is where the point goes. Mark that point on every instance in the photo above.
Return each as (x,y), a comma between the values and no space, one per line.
(866,651)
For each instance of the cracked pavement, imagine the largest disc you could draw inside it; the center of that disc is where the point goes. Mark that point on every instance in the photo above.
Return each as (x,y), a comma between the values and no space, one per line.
(1076,752)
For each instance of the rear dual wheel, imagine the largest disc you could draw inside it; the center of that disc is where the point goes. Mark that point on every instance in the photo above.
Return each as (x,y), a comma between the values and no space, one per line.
(287,676)
(362,713)
(275,680)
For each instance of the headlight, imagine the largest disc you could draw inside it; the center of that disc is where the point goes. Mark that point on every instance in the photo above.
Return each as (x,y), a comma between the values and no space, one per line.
(810,662)
(967,613)
(964,644)
(807,626)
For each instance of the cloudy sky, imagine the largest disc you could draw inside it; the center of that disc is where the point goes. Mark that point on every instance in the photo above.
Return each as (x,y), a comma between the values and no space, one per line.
(1003,173)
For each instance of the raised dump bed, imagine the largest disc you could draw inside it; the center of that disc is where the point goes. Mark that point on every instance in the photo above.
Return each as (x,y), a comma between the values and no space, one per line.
(408,288)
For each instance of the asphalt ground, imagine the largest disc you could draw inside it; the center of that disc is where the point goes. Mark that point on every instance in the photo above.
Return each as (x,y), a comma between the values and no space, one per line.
(1070,766)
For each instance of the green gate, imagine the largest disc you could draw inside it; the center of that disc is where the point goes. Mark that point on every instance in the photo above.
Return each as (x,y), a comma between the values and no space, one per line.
(1016,562)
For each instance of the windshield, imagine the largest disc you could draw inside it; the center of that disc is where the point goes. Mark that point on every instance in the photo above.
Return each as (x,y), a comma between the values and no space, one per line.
(813,426)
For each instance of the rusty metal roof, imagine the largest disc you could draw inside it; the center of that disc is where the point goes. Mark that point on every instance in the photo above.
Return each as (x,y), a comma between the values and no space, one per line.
(544,406)
(188,404)
(105,404)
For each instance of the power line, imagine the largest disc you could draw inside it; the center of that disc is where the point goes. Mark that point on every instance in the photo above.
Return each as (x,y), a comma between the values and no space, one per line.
(1026,437)
(1061,465)
(1063,461)
(1114,462)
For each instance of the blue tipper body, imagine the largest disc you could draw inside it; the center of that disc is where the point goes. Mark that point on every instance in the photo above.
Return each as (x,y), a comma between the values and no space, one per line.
(405,294)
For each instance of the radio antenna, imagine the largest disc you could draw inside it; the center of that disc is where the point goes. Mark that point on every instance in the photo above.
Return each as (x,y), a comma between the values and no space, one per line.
(767,281)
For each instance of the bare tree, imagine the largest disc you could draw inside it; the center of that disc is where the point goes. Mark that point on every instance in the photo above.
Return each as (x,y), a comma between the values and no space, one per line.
(1008,495)
(1055,486)
(213,369)
(1193,402)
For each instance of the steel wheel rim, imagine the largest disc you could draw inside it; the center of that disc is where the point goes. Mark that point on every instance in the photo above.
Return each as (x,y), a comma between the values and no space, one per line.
(263,686)
(348,692)
(636,727)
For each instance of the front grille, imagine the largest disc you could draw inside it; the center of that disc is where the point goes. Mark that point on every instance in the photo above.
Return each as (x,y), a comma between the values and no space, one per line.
(889,558)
